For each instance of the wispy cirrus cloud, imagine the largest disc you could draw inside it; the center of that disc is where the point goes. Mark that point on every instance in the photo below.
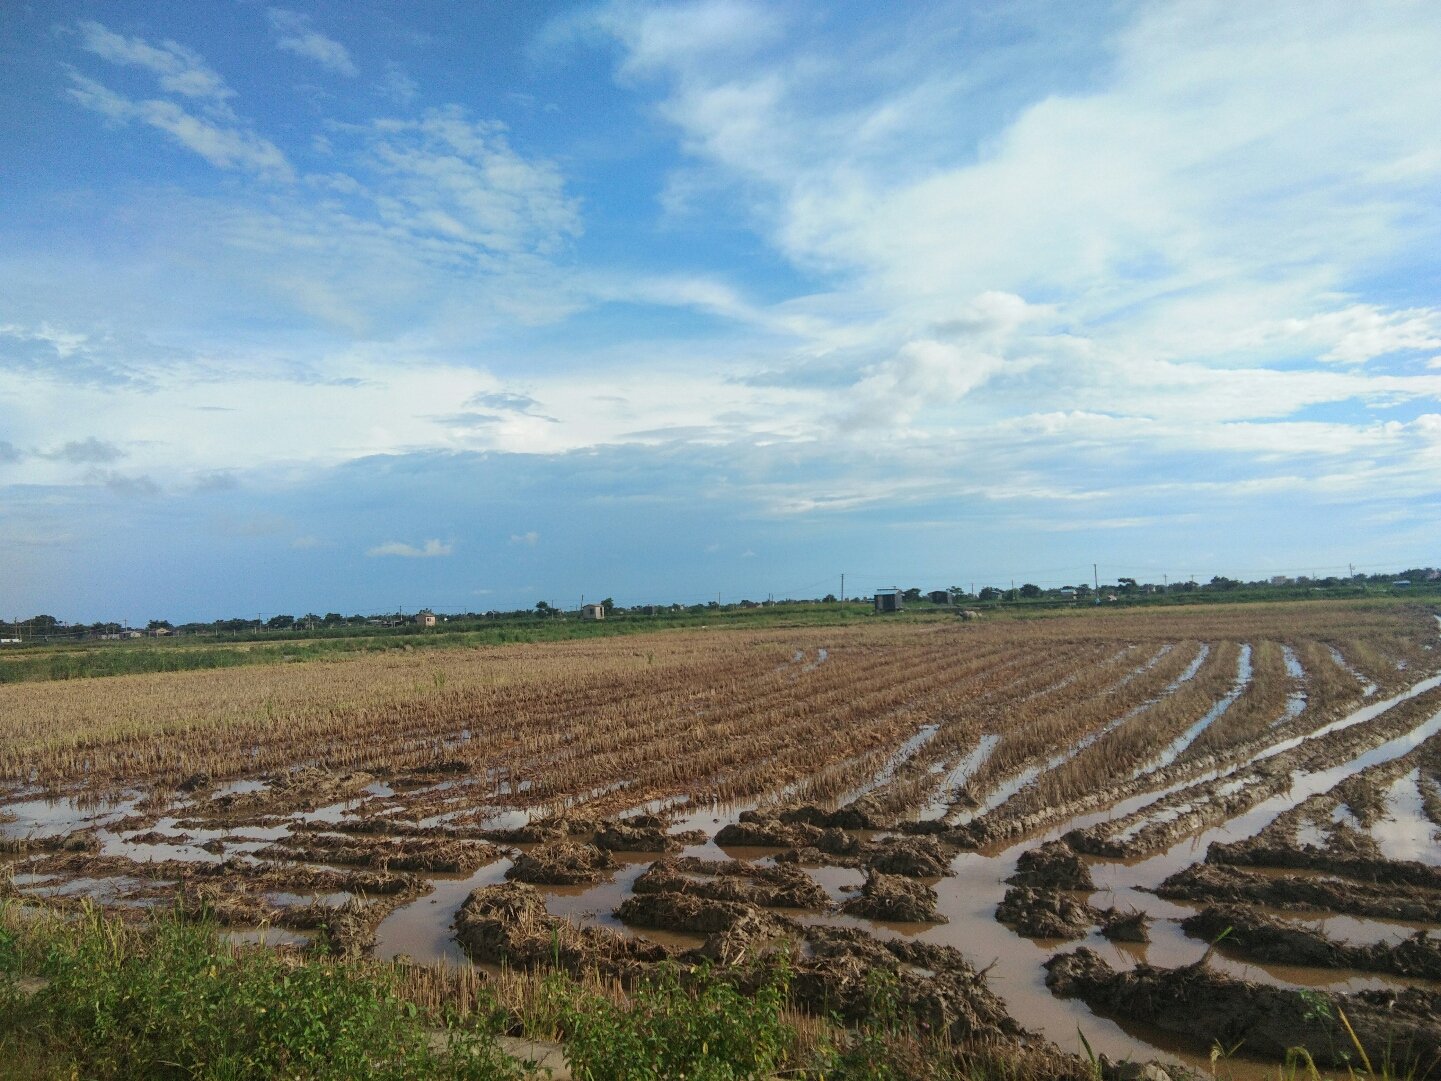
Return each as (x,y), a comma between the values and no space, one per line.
(294,34)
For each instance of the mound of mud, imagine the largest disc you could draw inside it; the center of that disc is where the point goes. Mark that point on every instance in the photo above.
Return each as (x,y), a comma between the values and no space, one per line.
(1054,865)
(892,897)
(564,863)
(732,880)
(1043,913)
(769,833)
(933,985)
(1210,882)
(863,813)
(913,857)
(645,833)
(1130,926)
(508,924)
(835,841)
(689,912)
(1353,863)
(811,856)
(1263,938)
(547,829)
(432,854)
(1209,1006)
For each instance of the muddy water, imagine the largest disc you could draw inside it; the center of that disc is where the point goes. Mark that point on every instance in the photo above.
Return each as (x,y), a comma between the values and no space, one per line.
(1405,833)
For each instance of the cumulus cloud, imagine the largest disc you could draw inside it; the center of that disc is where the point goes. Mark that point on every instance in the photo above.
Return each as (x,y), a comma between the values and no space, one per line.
(294,34)
(431,549)
(530,540)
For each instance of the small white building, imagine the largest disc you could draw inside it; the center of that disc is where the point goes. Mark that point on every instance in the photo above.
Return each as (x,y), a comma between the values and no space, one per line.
(425,618)
(592,611)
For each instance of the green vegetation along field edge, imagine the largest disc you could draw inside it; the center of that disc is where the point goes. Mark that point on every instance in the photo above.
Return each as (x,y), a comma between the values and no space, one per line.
(85,995)
(95,997)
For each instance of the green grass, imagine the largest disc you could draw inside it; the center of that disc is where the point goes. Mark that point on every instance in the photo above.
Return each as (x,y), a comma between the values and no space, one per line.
(168,1000)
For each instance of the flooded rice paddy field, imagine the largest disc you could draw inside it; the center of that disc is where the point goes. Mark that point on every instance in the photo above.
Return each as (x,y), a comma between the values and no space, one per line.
(1163,829)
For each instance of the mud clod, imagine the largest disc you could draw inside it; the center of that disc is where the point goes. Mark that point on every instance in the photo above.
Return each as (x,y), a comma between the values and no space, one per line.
(769,833)
(1210,882)
(733,880)
(892,897)
(913,857)
(1130,926)
(1263,938)
(1054,865)
(1045,913)
(1402,1027)
(508,924)
(623,837)
(564,863)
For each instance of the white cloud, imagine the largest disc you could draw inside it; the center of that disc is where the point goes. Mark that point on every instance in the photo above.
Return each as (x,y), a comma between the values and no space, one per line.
(530,539)
(430,550)
(295,34)
(179,70)
(218,137)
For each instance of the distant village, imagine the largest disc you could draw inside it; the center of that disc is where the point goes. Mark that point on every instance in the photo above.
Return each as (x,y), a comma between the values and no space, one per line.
(966,602)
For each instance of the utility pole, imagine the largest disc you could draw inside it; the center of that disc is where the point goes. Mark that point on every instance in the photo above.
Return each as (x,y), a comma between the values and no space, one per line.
(843,587)
(1096,577)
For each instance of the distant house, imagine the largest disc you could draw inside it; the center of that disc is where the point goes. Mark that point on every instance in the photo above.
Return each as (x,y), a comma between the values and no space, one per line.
(592,611)
(425,618)
(1068,593)
(1401,583)
(648,610)
(939,596)
(888,600)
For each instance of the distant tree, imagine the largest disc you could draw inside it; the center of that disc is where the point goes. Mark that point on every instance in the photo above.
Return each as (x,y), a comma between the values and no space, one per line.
(829,598)
(608,604)
(912,594)
(1222,582)
(1083,590)
(159,625)
(543,608)
(1126,585)
(280,623)
(1030,590)
(332,618)
(990,593)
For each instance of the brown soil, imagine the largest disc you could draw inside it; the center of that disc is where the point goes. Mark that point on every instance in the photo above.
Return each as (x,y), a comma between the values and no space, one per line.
(383,853)
(1210,882)
(864,813)
(564,863)
(1260,937)
(1054,865)
(933,985)
(548,829)
(508,924)
(769,833)
(811,856)
(622,837)
(671,911)
(768,887)
(892,897)
(914,857)
(1211,1007)
(1045,913)
(1262,851)
(1130,926)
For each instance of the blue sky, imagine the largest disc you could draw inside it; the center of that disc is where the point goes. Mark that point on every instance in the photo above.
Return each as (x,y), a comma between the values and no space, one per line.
(353,306)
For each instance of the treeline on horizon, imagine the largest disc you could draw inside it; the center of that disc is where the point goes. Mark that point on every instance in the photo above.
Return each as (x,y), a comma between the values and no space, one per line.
(1124,590)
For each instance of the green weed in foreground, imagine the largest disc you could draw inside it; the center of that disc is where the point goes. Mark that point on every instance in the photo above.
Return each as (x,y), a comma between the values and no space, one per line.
(711,1032)
(169,1000)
